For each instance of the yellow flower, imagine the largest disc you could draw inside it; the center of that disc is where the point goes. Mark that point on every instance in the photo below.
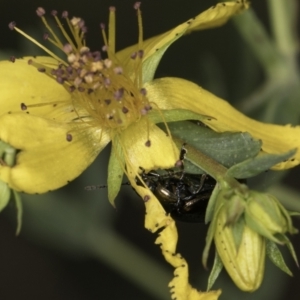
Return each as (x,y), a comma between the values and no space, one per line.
(62,116)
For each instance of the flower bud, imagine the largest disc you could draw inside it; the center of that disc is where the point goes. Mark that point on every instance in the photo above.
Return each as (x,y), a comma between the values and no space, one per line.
(265,215)
(241,250)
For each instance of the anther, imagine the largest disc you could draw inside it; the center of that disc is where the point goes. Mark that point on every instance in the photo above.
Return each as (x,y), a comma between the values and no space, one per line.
(12,25)
(67,48)
(118,70)
(137,5)
(143,91)
(54,13)
(141,53)
(42,70)
(69,137)
(119,93)
(23,106)
(125,110)
(148,143)
(107,82)
(40,11)
(112,8)
(107,101)
(60,80)
(146,198)
(133,55)
(46,36)
(12,59)
(65,14)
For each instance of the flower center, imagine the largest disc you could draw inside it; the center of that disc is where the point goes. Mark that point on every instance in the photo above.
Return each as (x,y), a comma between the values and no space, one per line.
(101,88)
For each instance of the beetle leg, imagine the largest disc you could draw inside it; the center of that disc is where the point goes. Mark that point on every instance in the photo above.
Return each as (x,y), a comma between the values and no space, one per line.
(202,179)
(188,205)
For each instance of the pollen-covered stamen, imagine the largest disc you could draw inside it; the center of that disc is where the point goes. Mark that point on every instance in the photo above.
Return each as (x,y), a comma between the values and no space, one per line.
(101,88)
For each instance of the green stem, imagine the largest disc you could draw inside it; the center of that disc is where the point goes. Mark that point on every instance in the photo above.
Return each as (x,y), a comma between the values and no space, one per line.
(283,18)
(206,163)
(287,196)
(255,35)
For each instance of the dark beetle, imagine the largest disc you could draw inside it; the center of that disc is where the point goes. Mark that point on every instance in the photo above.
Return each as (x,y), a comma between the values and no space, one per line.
(183,195)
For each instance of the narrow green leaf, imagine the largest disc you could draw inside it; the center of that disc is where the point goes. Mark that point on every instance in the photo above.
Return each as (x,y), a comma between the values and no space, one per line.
(216,270)
(116,167)
(291,249)
(255,165)
(19,208)
(275,256)
(4,195)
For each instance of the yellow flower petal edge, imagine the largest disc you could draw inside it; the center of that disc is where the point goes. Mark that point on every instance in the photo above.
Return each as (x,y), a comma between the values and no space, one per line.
(171,94)
(49,151)
(155,47)
(156,218)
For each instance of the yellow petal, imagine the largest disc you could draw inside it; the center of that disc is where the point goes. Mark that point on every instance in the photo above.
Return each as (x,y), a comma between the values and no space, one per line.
(46,160)
(162,152)
(170,93)
(22,83)
(218,14)
(156,218)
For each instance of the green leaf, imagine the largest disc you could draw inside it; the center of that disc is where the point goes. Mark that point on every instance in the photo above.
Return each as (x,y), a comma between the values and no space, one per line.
(227,148)
(19,207)
(216,269)
(4,195)
(291,249)
(115,171)
(255,165)
(275,256)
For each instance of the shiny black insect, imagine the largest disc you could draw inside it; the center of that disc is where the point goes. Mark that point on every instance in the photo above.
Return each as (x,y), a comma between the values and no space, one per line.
(183,195)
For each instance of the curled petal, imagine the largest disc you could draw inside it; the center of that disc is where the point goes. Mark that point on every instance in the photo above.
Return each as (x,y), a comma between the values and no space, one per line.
(156,218)
(155,47)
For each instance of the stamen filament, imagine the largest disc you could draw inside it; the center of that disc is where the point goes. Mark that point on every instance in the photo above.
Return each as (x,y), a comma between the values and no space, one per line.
(140,26)
(57,40)
(112,29)
(45,103)
(40,45)
(64,32)
(75,32)
(104,36)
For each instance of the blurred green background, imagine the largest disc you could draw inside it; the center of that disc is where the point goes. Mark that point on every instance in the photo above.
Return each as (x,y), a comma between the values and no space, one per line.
(73,243)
